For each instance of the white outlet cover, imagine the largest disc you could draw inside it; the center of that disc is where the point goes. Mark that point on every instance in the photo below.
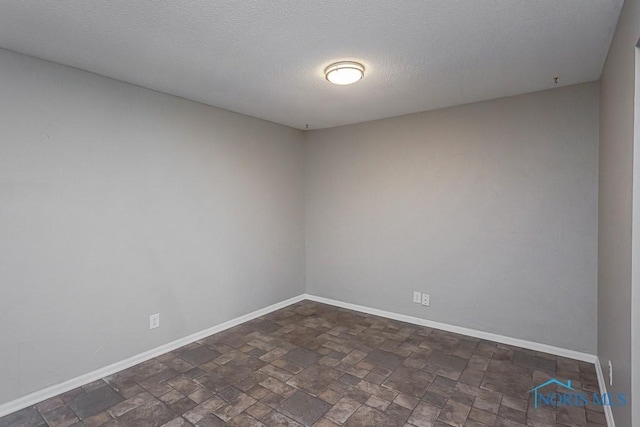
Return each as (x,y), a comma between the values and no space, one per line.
(610,373)
(154,321)
(426,299)
(417,297)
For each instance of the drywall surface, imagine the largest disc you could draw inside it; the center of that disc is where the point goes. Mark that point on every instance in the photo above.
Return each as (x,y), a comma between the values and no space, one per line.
(117,202)
(615,206)
(491,208)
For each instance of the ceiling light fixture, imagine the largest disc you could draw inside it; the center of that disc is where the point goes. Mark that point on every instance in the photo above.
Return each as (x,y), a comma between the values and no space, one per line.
(344,73)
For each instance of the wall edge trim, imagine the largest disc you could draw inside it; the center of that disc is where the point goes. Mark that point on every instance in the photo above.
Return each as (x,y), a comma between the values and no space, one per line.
(608,412)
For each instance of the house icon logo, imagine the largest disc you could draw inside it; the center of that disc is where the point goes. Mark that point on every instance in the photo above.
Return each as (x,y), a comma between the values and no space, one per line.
(536,393)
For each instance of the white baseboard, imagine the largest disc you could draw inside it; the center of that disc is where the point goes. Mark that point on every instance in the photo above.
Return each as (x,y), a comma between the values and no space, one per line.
(608,412)
(54,390)
(531,345)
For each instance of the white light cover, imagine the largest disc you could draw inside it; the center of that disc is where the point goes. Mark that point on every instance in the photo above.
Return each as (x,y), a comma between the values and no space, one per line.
(344,73)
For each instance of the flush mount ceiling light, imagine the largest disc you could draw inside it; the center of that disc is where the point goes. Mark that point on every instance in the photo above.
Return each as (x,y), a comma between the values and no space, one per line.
(344,73)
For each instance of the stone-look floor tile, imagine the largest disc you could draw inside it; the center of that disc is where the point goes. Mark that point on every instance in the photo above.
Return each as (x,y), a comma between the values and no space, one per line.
(182,406)
(276,419)
(200,395)
(378,403)
(151,414)
(478,363)
(486,405)
(277,373)
(301,357)
(478,392)
(454,413)
(515,384)
(304,408)
(171,397)
(571,416)
(247,383)
(229,393)
(512,414)
(435,399)
(235,407)
(314,379)
(130,392)
(471,377)
(461,397)
(323,422)
(330,396)
(183,384)
(376,390)
(258,392)
(258,410)
(384,358)
(356,372)
(504,422)
(97,420)
(541,417)
(211,421)
(287,366)
(198,355)
(72,394)
(349,379)
(156,384)
(482,416)
(277,387)
(447,361)
(272,400)
(272,355)
(424,415)
(94,385)
(515,403)
(409,381)
(354,357)
(342,410)
(596,417)
(129,404)
(49,404)
(62,416)
(88,404)
(406,401)
(178,365)
(375,378)
(397,414)
(366,416)
(244,420)
(177,422)
(522,359)
(204,409)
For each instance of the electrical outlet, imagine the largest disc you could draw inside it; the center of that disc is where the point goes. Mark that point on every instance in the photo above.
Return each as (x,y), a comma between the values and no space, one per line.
(426,299)
(610,374)
(417,297)
(154,321)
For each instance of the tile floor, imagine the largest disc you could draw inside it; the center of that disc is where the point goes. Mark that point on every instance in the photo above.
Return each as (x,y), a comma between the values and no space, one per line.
(315,365)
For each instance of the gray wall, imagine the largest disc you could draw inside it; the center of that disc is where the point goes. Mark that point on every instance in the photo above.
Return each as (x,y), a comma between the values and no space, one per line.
(615,207)
(489,207)
(117,202)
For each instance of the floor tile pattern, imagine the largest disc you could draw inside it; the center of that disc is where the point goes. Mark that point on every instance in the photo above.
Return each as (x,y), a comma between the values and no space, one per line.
(311,364)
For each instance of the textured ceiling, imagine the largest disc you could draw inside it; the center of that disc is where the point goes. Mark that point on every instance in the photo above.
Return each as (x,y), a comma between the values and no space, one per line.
(266,58)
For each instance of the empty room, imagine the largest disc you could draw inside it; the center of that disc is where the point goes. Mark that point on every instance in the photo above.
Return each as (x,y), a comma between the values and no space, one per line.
(330,213)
